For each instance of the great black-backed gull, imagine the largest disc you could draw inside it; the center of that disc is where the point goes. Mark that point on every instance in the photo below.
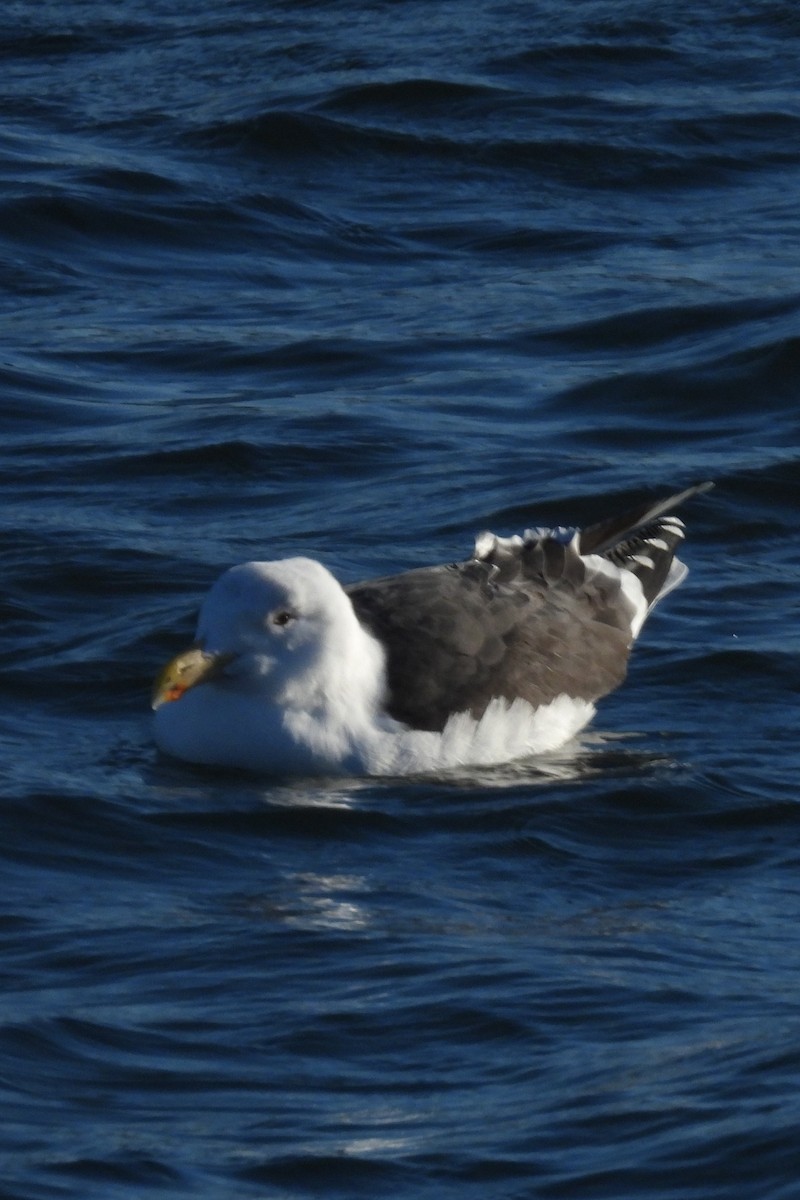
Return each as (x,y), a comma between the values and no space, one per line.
(478,662)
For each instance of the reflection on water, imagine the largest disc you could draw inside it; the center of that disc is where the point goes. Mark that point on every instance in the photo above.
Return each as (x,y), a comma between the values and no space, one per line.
(327,902)
(309,901)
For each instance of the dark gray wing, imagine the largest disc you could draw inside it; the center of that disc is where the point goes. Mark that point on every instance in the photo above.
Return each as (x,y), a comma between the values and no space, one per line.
(527,618)
(458,636)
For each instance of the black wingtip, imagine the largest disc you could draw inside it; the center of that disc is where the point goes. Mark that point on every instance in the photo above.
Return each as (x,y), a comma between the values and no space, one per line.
(603,536)
(697,489)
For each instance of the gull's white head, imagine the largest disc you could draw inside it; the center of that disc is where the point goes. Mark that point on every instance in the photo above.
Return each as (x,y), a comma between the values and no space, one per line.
(270,618)
(279,651)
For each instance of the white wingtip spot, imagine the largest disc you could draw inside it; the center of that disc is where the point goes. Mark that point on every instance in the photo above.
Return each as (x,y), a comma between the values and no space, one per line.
(673,525)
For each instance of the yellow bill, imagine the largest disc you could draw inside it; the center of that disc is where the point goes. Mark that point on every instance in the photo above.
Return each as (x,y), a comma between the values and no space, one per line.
(185,671)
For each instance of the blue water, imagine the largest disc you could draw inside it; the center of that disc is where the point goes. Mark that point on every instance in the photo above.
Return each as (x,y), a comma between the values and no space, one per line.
(358,281)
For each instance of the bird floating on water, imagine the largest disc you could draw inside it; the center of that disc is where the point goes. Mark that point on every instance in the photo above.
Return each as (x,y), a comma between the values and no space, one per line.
(472,663)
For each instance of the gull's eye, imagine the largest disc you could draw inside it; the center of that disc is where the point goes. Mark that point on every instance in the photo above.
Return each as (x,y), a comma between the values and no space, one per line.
(282,617)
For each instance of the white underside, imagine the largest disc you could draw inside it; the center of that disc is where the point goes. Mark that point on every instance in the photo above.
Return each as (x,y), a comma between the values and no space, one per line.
(217,727)
(504,732)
